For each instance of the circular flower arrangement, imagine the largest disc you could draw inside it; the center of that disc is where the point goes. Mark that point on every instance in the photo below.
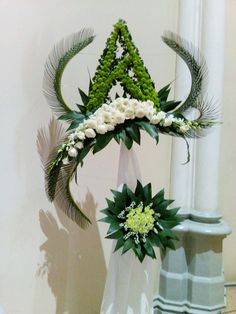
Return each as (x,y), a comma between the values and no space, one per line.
(140,221)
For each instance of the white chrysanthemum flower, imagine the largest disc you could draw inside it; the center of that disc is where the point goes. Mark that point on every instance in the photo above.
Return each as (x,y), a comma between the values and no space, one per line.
(90,133)
(107,116)
(150,112)
(140,113)
(72,152)
(119,117)
(79,145)
(91,123)
(134,103)
(101,129)
(155,119)
(168,120)
(129,113)
(81,135)
(125,101)
(161,115)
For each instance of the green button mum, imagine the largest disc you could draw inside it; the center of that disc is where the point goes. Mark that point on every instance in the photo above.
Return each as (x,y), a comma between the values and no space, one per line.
(141,219)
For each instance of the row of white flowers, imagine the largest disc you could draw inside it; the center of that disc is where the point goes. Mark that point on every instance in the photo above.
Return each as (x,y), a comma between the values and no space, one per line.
(108,116)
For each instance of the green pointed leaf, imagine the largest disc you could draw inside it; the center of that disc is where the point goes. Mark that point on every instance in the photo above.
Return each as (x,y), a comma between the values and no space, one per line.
(101,141)
(139,189)
(147,191)
(107,219)
(105,211)
(134,132)
(90,84)
(73,115)
(127,245)
(138,251)
(74,125)
(158,198)
(169,224)
(164,204)
(115,226)
(164,92)
(110,203)
(174,211)
(126,139)
(149,249)
(82,109)
(150,129)
(84,151)
(154,238)
(117,138)
(119,244)
(169,105)
(169,234)
(115,235)
(84,97)
(170,244)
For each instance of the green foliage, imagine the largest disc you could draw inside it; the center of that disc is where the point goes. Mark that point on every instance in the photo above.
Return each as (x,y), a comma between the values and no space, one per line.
(161,236)
(58,179)
(113,69)
(195,63)
(55,66)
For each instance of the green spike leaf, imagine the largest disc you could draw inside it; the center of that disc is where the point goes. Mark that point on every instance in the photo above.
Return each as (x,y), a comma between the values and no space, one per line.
(102,140)
(84,97)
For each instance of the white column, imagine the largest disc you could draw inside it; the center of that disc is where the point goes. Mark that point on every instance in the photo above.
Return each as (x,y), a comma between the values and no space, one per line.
(195,185)
(182,176)
(207,153)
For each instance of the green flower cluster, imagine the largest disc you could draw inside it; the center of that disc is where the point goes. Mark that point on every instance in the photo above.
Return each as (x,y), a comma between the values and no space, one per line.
(128,69)
(141,219)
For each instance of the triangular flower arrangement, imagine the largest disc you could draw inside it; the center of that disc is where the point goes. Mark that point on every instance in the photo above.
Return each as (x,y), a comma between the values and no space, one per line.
(100,119)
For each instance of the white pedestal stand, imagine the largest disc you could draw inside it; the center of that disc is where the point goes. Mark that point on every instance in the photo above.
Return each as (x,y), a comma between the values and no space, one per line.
(192,279)
(129,285)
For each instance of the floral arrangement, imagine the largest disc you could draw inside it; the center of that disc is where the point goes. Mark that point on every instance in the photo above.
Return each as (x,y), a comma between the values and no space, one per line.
(107,118)
(140,221)
(99,119)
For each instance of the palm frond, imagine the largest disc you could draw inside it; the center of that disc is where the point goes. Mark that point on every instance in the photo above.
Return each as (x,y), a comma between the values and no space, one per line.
(195,63)
(48,141)
(48,138)
(55,65)
(209,116)
(64,198)
(58,176)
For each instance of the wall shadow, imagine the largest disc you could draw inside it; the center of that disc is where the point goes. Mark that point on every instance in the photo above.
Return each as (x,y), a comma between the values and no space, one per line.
(74,262)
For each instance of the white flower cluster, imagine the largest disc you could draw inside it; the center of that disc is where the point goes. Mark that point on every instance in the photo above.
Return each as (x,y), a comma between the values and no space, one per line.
(108,116)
